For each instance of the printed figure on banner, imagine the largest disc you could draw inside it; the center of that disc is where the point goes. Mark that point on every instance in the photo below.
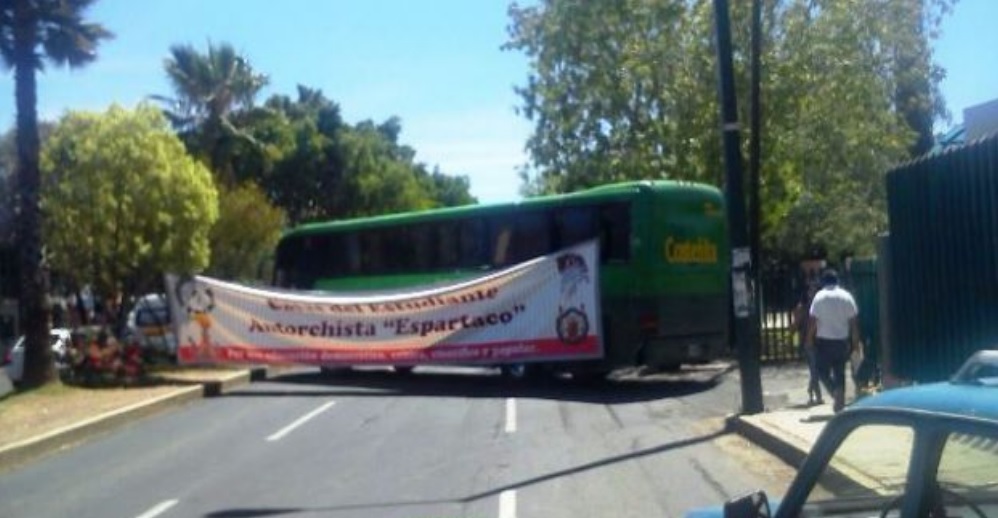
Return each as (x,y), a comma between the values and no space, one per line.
(572,324)
(199,301)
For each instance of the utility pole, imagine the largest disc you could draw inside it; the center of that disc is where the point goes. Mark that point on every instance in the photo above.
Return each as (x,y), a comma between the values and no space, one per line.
(755,153)
(742,290)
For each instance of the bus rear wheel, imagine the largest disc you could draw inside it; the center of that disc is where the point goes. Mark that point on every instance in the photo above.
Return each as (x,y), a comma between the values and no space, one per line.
(590,376)
(518,371)
(329,372)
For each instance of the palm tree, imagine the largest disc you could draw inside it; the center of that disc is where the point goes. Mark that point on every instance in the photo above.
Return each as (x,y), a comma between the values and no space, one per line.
(209,88)
(31,30)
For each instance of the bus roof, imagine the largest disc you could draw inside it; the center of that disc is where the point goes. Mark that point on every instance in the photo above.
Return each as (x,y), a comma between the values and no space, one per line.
(604,192)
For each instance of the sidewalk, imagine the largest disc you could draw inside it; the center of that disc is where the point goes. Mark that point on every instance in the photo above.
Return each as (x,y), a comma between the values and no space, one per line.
(788,427)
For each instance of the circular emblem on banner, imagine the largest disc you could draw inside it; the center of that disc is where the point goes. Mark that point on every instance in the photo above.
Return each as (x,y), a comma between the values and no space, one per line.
(572,325)
(199,301)
(194,296)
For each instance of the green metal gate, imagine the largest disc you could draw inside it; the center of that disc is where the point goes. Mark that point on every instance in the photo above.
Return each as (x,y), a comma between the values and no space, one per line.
(943,245)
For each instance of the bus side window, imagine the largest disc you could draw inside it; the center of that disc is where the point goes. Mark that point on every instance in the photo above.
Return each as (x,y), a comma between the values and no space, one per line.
(574,225)
(335,263)
(531,236)
(288,263)
(615,232)
(352,252)
(421,247)
(396,249)
(473,249)
(371,254)
(446,245)
(310,258)
(501,237)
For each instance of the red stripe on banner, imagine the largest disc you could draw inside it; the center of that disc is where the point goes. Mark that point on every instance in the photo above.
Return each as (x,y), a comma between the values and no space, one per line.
(494,352)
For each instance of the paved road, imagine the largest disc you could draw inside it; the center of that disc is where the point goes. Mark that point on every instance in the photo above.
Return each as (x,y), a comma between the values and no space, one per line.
(436,444)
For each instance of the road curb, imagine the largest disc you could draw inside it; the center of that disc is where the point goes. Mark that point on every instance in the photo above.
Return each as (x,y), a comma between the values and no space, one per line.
(27,450)
(218,387)
(785,450)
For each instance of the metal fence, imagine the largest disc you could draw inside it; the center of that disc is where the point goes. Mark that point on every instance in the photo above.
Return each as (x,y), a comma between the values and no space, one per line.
(781,287)
(943,248)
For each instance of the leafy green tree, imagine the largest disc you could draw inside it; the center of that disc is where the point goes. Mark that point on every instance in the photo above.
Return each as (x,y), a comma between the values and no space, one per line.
(124,201)
(326,169)
(378,176)
(602,91)
(308,180)
(846,103)
(299,151)
(32,31)
(627,90)
(208,89)
(245,235)
(446,190)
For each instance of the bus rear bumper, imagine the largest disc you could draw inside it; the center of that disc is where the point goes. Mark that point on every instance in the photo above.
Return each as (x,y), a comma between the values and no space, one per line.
(669,352)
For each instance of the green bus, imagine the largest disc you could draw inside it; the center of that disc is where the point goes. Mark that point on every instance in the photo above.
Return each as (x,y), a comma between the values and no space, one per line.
(663,253)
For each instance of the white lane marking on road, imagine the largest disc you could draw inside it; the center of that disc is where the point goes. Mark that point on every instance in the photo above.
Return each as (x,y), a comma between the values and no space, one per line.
(300,421)
(507,504)
(510,415)
(159,509)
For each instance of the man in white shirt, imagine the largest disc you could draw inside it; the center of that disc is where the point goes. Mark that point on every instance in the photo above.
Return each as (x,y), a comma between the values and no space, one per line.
(833,328)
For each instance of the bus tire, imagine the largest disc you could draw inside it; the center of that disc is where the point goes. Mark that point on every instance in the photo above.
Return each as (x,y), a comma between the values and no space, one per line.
(590,376)
(518,371)
(403,370)
(330,372)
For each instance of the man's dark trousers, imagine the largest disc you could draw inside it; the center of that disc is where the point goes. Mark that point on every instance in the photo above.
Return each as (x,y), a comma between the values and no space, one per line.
(831,357)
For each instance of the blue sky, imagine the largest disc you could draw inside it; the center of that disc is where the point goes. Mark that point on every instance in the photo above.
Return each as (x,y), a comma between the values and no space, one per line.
(434,63)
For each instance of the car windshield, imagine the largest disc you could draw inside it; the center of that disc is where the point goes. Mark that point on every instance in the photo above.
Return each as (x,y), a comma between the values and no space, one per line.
(967,476)
(152,316)
(869,473)
(982,369)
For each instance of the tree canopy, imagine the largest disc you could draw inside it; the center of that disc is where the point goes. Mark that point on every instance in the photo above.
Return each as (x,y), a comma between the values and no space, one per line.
(320,167)
(294,158)
(245,235)
(627,90)
(208,89)
(124,202)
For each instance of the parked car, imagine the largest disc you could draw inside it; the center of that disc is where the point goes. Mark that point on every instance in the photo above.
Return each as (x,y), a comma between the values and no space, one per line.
(923,451)
(151,326)
(14,358)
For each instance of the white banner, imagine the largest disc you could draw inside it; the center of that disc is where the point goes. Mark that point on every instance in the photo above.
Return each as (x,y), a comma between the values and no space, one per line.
(544,309)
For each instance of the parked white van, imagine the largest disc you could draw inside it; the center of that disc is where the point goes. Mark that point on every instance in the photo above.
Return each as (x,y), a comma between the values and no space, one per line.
(150,324)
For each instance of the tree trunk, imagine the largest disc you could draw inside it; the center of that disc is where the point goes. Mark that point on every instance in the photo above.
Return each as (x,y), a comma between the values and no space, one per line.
(34,309)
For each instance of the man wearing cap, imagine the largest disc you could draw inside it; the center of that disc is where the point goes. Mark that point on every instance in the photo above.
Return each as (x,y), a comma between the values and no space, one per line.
(833,328)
